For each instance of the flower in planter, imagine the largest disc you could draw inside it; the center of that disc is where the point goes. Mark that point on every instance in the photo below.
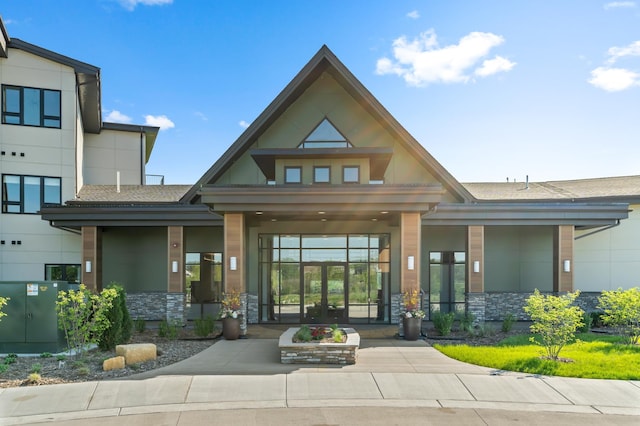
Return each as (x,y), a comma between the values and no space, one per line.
(411,304)
(230,305)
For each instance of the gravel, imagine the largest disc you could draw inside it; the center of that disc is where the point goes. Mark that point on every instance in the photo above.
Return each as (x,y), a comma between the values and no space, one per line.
(52,370)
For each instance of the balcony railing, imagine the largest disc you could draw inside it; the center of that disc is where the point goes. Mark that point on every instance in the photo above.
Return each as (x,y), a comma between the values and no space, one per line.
(154,179)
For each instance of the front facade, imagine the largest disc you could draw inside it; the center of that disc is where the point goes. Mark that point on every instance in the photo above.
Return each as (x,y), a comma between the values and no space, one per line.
(326,210)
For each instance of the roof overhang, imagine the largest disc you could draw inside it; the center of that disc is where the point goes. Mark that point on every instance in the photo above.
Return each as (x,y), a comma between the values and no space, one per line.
(577,214)
(310,200)
(87,79)
(378,158)
(118,215)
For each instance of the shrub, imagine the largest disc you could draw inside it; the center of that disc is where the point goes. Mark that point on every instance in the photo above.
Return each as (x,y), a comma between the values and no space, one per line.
(3,368)
(3,302)
(204,326)
(10,359)
(466,322)
(36,368)
(485,330)
(82,316)
(443,322)
(119,329)
(554,319)
(337,335)
(507,322)
(587,320)
(140,325)
(34,378)
(45,355)
(622,311)
(168,329)
(303,334)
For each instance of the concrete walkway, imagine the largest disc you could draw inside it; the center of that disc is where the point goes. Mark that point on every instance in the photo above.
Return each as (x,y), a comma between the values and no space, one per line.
(393,382)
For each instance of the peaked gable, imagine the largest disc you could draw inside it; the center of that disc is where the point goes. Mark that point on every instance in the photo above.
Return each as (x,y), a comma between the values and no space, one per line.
(325,61)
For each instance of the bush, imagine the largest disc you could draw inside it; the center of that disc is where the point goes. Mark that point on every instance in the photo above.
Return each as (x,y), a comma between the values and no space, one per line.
(3,302)
(485,330)
(36,368)
(140,325)
(507,322)
(466,322)
(587,320)
(82,316)
(120,323)
(204,326)
(3,368)
(554,319)
(622,311)
(168,330)
(443,322)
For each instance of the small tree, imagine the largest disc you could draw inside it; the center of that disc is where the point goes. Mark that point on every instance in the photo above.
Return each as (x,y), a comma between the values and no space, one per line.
(622,311)
(554,319)
(82,316)
(3,303)
(120,324)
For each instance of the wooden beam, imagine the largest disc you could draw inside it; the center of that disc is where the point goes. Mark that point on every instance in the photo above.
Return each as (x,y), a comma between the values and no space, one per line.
(410,227)
(475,252)
(234,257)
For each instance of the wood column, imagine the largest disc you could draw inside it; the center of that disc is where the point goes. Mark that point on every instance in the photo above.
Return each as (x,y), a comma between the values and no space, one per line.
(563,237)
(175,250)
(475,253)
(410,227)
(234,256)
(92,258)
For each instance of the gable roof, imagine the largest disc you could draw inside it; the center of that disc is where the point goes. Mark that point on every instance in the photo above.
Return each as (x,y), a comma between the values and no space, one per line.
(325,61)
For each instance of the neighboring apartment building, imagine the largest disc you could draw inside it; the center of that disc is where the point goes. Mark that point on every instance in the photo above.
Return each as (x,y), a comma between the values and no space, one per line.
(324,210)
(53,142)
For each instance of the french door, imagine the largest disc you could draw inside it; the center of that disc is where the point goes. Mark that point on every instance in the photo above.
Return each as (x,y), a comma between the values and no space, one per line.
(324,287)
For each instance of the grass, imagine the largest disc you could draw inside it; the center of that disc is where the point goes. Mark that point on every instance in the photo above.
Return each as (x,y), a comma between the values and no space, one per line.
(591,356)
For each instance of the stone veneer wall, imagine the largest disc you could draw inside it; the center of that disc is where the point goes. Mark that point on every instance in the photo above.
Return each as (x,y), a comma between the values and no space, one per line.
(252,308)
(498,305)
(156,306)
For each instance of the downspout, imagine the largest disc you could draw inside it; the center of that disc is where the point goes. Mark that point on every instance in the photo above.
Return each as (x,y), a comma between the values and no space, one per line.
(143,154)
(598,230)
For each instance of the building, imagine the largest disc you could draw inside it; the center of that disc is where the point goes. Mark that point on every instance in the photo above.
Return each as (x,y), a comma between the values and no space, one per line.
(324,210)
(53,142)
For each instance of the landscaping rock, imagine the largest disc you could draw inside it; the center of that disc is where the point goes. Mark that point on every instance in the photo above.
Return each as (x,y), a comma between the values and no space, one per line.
(137,352)
(115,363)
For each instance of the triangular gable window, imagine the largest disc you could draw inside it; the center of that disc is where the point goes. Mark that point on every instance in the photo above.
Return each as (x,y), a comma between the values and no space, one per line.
(325,135)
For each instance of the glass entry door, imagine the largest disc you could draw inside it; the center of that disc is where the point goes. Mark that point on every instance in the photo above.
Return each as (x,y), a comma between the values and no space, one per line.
(324,288)
(447,282)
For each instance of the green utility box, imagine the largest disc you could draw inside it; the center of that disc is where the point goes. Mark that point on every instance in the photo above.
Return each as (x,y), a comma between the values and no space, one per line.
(31,323)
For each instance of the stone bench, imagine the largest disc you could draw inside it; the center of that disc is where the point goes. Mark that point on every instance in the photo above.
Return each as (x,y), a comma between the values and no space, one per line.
(137,352)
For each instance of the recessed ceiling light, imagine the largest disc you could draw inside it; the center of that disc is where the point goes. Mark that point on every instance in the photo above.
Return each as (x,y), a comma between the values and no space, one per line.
(258,212)
(320,212)
(385,212)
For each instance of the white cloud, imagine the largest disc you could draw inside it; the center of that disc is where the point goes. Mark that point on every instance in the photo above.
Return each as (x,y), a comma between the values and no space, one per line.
(414,14)
(614,79)
(421,61)
(116,116)
(159,121)
(619,4)
(131,4)
(243,124)
(616,53)
(494,66)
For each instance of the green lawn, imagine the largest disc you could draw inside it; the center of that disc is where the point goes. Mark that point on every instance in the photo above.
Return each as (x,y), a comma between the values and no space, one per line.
(591,356)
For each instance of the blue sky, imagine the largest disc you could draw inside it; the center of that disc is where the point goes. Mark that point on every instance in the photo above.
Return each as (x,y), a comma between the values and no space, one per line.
(492,89)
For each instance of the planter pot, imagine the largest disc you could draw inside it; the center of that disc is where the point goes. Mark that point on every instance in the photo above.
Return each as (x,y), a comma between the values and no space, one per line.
(412,327)
(231,328)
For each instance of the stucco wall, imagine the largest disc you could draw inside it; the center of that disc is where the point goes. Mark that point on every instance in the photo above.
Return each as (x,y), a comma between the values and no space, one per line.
(136,258)
(38,152)
(518,259)
(112,151)
(609,259)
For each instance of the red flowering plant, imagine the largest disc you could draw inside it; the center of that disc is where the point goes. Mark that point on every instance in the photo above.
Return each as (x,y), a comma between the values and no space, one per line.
(411,304)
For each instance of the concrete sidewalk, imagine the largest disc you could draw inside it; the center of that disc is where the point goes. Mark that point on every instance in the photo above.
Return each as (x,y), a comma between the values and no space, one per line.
(393,382)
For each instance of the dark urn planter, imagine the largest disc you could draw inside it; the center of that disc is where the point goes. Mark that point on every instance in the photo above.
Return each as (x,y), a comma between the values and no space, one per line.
(231,328)
(412,327)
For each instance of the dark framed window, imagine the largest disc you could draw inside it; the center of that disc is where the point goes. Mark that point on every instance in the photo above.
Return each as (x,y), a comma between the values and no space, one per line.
(321,174)
(293,175)
(351,174)
(28,106)
(27,194)
(63,272)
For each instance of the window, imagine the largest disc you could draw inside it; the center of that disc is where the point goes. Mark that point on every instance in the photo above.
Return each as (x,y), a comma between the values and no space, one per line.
(322,174)
(351,174)
(26,194)
(27,106)
(292,175)
(325,135)
(70,273)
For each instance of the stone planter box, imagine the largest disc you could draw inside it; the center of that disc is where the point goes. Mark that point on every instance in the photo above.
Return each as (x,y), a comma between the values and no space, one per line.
(319,353)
